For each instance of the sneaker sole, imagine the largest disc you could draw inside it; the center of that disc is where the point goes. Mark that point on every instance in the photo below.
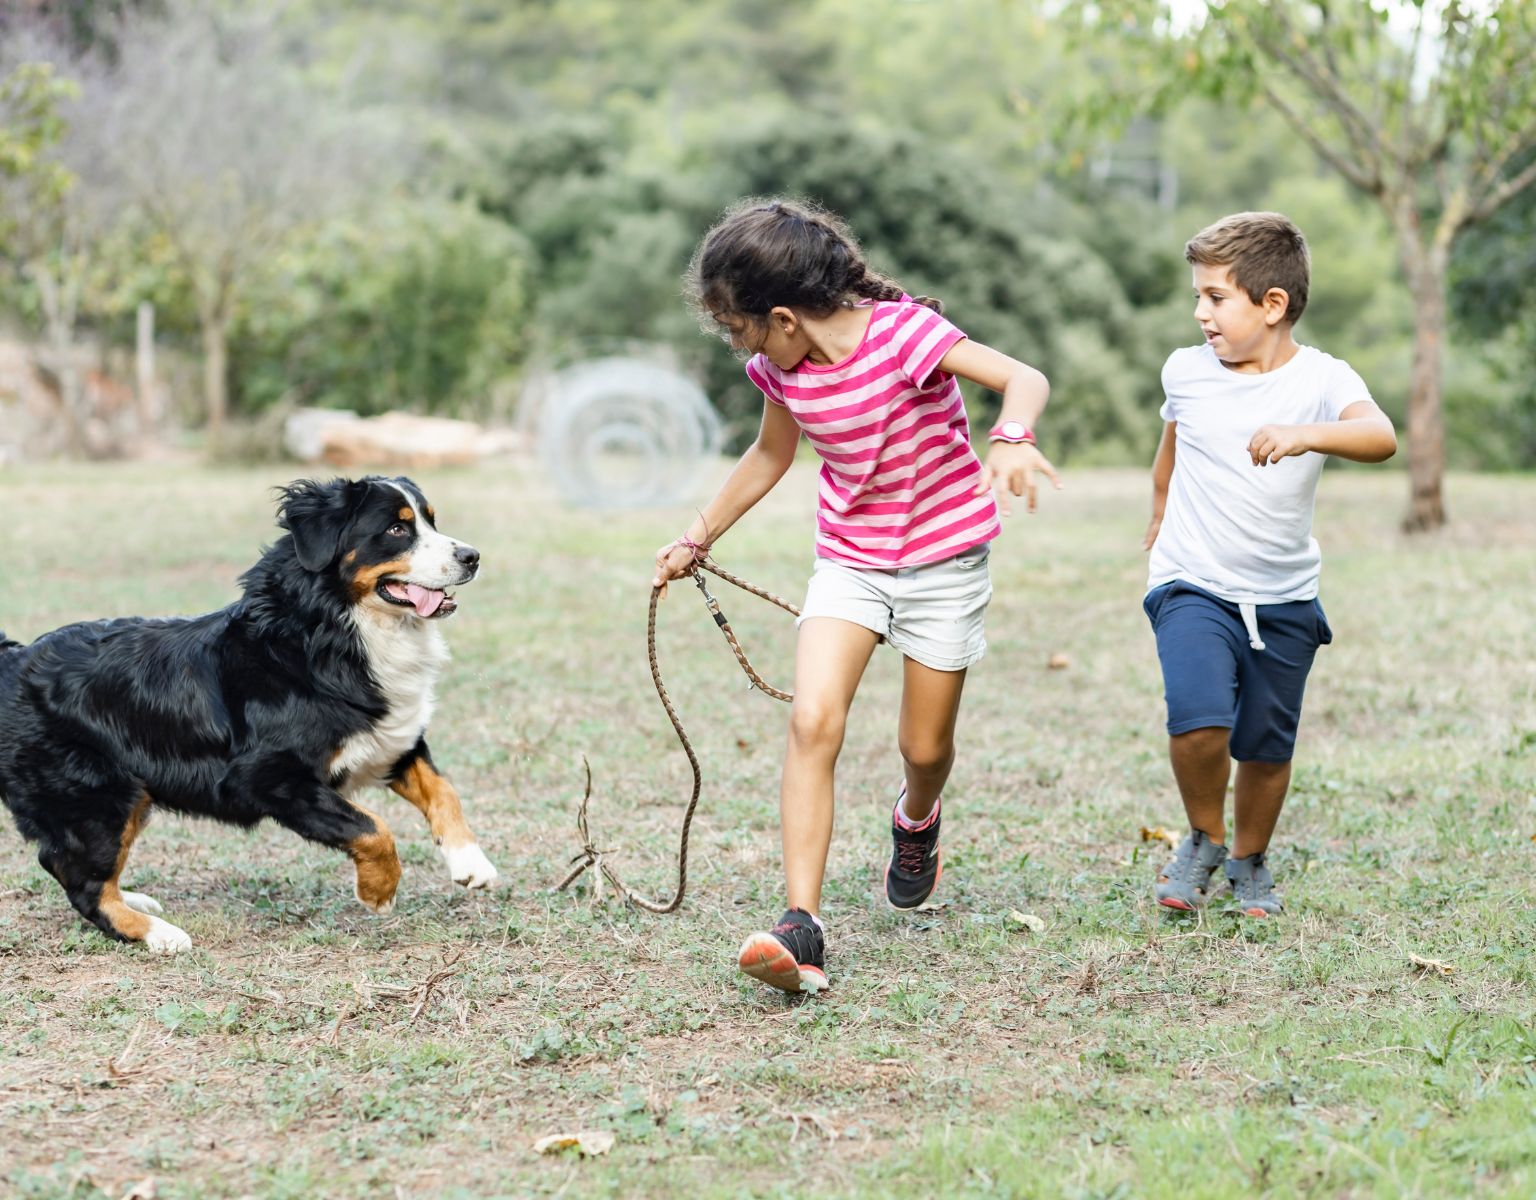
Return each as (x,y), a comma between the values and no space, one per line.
(766,959)
(919,903)
(1175,903)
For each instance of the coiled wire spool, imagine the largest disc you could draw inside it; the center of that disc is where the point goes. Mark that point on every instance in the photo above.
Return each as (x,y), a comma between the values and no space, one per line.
(622,432)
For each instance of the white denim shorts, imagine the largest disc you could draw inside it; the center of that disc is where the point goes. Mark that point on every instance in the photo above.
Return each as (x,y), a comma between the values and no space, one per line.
(933,613)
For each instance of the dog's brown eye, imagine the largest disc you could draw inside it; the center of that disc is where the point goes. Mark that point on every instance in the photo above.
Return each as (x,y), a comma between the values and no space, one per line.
(398,529)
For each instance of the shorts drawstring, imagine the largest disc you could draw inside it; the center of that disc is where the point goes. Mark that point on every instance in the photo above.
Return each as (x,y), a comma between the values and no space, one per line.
(1250,614)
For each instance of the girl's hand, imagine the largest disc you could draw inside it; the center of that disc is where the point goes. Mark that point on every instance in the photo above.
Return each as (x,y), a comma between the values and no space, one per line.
(673,561)
(1012,467)
(1274,442)
(1151,535)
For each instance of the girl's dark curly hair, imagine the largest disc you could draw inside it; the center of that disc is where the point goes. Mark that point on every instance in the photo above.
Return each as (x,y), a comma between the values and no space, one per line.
(764,254)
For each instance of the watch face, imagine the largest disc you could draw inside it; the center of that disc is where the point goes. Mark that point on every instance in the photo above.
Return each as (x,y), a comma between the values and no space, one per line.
(1012,429)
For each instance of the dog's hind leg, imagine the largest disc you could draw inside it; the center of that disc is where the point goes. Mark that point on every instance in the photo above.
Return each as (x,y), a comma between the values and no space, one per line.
(87,859)
(417,780)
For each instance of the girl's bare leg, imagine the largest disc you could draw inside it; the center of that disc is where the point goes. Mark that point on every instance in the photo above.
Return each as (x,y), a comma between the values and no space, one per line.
(930,704)
(829,662)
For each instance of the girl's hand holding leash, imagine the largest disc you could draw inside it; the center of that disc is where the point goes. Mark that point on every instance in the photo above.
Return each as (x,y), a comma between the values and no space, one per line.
(675,560)
(1012,467)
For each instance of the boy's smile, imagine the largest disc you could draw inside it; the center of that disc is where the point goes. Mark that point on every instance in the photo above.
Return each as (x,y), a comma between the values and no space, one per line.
(1247,337)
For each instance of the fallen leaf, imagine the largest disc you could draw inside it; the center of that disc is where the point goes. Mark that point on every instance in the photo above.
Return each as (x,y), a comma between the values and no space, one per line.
(589,1142)
(1431,964)
(1059,661)
(1028,920)
(143,1190)
(1158,834)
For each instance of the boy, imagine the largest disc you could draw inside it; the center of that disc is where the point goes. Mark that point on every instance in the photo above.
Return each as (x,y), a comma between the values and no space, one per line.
(1232,588)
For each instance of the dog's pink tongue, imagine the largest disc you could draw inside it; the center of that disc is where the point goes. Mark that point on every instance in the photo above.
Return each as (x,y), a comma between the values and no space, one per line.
(425,600)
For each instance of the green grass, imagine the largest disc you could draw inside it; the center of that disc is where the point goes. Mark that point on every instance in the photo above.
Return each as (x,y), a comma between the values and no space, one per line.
(296,1052)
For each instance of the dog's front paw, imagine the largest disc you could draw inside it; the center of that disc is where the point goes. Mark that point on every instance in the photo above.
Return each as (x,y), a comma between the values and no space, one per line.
(376,883)
(165,938)
(468,866)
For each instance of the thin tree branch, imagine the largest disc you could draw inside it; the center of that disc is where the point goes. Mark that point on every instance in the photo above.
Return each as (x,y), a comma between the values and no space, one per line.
(1359,128)
(1367,180)
(1493,200)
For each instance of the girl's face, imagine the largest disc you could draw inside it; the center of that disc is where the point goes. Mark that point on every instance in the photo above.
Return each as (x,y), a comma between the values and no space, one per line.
(781,338)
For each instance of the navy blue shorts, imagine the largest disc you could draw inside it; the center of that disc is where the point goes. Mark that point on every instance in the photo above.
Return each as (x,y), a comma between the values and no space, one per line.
(1212,677)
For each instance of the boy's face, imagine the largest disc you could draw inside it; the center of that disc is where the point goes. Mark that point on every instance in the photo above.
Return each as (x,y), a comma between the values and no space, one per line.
(1235,327)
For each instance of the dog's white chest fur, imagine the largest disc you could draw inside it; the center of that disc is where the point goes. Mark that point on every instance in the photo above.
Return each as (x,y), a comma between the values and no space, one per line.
(404,657)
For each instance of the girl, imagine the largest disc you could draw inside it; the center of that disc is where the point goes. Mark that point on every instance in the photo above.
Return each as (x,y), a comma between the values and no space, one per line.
(904,518)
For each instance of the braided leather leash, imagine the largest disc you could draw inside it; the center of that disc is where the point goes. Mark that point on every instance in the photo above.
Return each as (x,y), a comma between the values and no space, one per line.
(590,855)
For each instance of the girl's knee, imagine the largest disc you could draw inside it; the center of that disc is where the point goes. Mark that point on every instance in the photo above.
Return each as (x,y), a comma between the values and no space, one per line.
(927,756)
(816,727)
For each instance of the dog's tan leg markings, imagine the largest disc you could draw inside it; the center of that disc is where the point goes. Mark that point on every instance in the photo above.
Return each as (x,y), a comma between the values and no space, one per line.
(439,803)
(131,917)
(377,865)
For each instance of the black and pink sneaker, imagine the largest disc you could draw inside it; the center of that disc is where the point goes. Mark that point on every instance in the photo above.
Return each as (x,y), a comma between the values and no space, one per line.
(790,956)
(916,864)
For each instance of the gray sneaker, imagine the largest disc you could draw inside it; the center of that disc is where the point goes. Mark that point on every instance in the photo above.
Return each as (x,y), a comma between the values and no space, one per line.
(1253,888)
(1185,882)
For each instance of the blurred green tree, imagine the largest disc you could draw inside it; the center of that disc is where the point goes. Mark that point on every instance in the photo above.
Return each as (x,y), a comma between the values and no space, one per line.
(1425,107)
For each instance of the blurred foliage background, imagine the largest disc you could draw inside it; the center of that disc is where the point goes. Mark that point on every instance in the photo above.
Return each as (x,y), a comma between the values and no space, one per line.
(411,203)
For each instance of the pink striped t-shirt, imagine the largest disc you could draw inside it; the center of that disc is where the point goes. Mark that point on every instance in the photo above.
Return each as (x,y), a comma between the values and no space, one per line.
(898,473)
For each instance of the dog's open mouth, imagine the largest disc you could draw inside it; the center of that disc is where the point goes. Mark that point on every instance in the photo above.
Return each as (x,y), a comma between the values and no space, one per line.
(427,602)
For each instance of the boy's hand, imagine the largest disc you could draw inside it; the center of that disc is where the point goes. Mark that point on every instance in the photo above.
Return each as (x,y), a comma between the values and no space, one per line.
(1012,467)
(673,561)
(1274,442)
(1151,535)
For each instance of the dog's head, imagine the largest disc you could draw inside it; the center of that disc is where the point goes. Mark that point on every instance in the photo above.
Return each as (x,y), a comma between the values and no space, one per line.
(379,537)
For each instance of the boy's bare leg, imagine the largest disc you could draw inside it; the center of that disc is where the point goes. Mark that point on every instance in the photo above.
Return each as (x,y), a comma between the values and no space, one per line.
(1202,765)
(930,703)
(829,662)
(1260,794)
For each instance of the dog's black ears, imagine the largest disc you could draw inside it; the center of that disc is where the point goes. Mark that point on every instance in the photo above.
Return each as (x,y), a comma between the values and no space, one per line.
(316,514)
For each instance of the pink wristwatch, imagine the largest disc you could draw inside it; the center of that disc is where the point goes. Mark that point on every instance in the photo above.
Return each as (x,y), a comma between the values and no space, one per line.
(1011,431)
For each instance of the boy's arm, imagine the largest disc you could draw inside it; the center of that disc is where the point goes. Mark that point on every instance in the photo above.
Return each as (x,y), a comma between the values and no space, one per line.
(1025,392)
(1162,473)
(1362,433)
(753,477)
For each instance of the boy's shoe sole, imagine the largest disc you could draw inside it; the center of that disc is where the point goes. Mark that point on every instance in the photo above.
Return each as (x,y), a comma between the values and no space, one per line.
(769,961)
(913,907)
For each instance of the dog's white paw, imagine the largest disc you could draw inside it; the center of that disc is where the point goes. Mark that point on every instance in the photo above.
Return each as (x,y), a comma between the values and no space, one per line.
(165,938)
(468,865)
(139,902)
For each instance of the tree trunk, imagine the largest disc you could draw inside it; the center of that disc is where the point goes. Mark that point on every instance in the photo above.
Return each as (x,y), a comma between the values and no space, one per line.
(1426,416)
(215,376)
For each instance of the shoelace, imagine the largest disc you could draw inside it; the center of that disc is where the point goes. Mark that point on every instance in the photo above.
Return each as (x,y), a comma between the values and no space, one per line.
(911,856)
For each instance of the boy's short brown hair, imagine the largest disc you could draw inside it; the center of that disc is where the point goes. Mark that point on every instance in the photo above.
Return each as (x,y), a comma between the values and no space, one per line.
(1261,250)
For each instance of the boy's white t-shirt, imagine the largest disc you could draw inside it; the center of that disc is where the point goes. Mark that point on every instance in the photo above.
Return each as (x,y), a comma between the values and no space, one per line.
(1241,531)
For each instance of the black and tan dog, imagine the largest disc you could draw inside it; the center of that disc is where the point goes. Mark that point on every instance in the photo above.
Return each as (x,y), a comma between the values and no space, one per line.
(315,685)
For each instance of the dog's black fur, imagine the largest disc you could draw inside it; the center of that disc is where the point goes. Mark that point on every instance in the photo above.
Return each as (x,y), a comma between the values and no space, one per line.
(278,706)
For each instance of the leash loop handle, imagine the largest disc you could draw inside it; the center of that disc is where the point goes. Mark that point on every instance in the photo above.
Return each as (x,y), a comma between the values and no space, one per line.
(590,856)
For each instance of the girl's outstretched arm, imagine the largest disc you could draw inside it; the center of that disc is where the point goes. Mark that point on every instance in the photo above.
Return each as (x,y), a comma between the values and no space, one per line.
(1009,466)
(753,477)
